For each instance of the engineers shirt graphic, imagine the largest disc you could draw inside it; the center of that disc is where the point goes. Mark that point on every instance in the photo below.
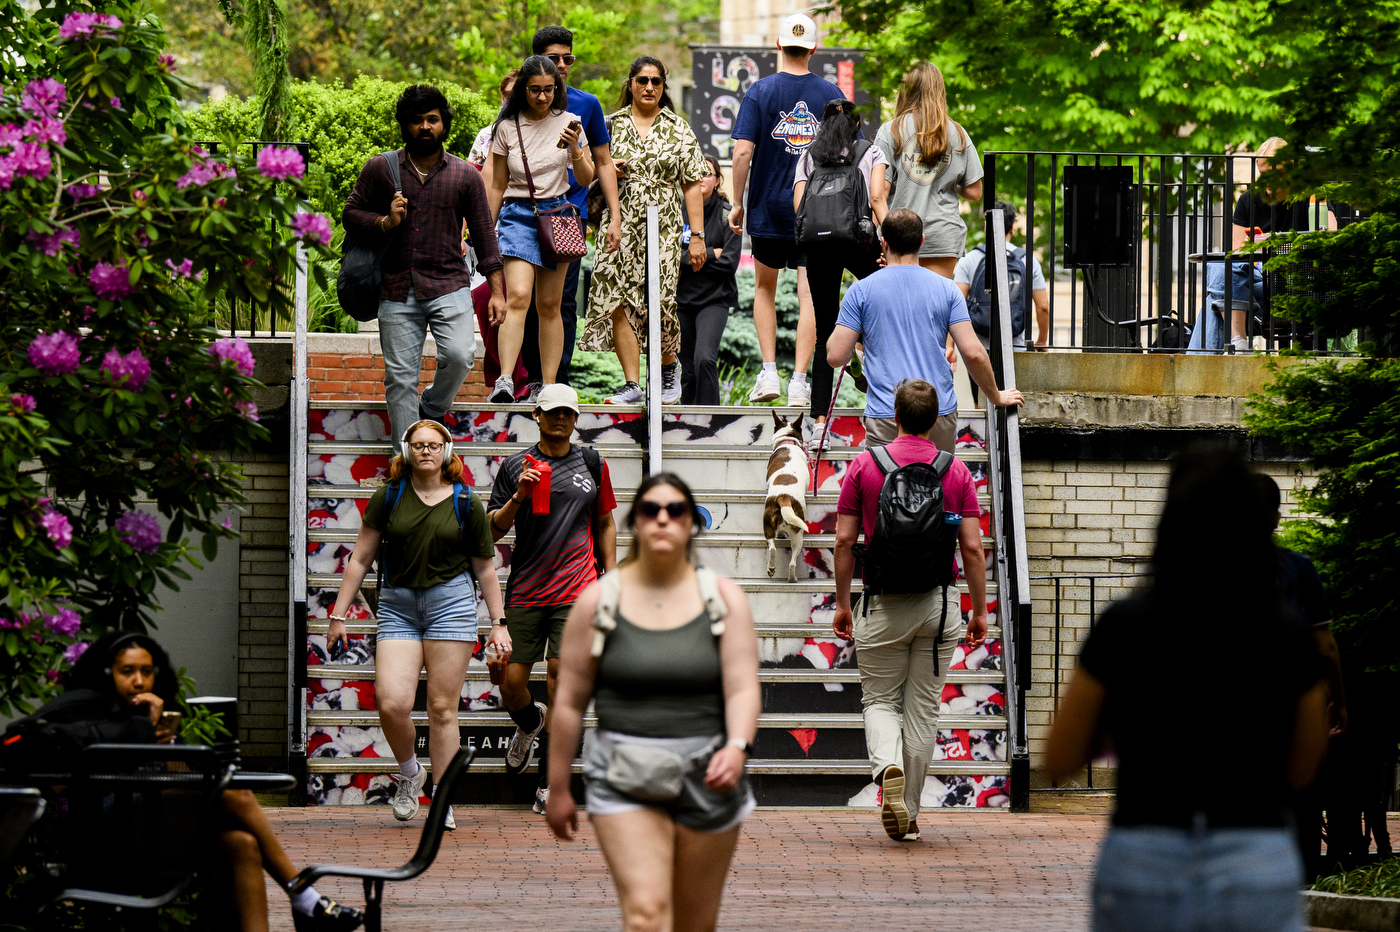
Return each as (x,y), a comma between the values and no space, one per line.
(796,129)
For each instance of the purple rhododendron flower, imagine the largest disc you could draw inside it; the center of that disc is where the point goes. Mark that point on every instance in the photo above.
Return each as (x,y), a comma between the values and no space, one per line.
(7,172)
(10,135)
(184,269)
(51,244)
(58,528)
(200,173)
(141,531)
(74,651)
(66,622)
(87,24)
(247,409)
(133,367)
(46,131)
(235,350)
(54,353)
(42,98)
(313,227)
(80,191)
(23,403)
(280,163)
(116,103)
(30,158)
(111,281)
(168,63)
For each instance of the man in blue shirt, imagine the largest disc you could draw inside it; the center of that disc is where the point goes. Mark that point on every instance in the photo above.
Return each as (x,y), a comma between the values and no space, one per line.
(557,44)
(903,315)
(777,122)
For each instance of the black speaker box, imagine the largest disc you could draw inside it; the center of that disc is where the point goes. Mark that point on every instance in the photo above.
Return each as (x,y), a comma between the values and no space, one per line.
(1100,213)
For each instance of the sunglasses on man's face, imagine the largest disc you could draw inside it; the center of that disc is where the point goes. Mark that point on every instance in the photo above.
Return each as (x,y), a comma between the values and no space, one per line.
(653,80)
(675,510)
(564,59)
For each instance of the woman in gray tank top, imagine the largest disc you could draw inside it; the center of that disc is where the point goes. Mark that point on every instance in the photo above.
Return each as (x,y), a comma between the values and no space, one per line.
(671,663)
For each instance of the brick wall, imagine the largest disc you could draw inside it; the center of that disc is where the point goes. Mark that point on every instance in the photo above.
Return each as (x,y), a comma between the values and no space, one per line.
(263,611)
(350,367)
(1093,518)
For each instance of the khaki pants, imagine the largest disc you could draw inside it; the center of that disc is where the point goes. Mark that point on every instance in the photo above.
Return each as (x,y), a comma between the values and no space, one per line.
(881,430)
(895,645)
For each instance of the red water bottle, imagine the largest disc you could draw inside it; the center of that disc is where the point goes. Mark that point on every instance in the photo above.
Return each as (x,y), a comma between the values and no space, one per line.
(541,491)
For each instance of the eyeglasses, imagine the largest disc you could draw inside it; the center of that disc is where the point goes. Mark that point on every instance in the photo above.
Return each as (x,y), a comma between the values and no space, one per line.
(649,509)
(566,59)
(653,80)
(540,91)
(431,447)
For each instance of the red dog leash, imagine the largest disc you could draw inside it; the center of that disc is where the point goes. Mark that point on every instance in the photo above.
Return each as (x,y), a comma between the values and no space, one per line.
(826,426)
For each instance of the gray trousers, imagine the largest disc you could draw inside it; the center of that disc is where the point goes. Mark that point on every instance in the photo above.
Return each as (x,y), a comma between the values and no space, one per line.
(881,430)
(403,330)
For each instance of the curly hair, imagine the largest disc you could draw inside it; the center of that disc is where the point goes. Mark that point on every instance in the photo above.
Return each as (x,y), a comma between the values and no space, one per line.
(418,99)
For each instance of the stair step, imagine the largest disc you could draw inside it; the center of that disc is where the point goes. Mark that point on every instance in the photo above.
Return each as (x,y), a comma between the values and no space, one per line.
(623,496)
(771,720)
(477,671)
(767,586)
(329,765)
(706,541)
(669,411)
(367,626)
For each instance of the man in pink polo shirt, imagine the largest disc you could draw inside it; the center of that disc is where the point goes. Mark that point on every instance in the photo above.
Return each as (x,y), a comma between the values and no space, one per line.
(905,641)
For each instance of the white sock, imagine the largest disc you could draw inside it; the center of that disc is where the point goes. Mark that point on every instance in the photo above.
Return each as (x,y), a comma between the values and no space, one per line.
(410,767)
(770,367)
(305,901)
(799,378)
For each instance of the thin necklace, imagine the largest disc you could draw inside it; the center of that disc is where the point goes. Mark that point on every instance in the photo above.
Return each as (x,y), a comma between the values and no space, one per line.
(422,175)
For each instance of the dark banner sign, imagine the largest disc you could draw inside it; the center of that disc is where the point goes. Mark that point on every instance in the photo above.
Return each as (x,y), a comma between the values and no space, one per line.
(723,74)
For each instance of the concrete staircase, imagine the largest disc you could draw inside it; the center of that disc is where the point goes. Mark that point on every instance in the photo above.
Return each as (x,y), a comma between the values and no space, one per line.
(811,747)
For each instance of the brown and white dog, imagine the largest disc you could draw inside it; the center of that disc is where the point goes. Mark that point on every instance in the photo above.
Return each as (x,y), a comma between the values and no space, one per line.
(788,475)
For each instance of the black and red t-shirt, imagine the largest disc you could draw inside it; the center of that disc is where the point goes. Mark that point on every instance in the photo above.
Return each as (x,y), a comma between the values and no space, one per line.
(553,557)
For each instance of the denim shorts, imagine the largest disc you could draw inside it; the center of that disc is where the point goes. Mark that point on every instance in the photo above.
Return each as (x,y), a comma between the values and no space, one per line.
(445,612)
(698,808)
(1152,879)
(518,233)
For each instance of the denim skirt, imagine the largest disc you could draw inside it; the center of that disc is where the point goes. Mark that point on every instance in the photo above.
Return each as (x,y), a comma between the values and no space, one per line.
(518,233)
(1157,879)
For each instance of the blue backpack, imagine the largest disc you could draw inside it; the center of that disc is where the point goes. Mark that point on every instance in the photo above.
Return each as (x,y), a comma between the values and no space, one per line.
(979,299)
(393,493)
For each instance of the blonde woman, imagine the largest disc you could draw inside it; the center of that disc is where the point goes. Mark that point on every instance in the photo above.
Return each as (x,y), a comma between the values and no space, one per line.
(932,163)
(427,608)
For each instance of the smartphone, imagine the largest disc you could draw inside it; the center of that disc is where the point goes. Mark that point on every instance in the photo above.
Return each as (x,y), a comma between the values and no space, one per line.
(574,124)
(170,722)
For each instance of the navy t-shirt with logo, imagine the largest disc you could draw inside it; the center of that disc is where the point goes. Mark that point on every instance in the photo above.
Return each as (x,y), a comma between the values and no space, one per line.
(779,115)
(553,561)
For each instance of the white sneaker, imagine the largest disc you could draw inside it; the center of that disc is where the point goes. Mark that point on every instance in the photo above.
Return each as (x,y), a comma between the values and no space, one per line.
(799,394)
(1240,344)
(765,388)
(521,753)
(629,394)
(541,799)
(671,384)
(504,392)
(449,823)
(405,804)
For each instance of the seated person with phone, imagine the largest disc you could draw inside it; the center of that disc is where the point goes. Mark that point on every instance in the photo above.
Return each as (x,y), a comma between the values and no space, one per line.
(117,693)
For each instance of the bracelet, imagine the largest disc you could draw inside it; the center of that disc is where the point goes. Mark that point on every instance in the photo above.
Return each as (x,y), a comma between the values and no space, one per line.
(577,158)
(379,224)
(339,618)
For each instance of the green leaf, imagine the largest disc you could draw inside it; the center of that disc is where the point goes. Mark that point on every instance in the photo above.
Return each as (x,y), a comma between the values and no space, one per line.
(210,546)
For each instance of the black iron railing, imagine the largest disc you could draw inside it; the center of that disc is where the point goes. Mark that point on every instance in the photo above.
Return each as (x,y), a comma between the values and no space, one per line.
(1143,240)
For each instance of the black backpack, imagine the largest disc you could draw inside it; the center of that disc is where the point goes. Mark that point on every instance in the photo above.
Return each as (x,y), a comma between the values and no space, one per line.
(979,300)
(357,285)
(912,548)
(835,206)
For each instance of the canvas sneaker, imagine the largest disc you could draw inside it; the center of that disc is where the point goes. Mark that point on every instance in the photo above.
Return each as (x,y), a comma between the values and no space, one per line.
(765,388)
(504,392)
(449,823)
(799,394)
(541,799)
(521,753)
(894,814)
(405,804)
(629,394)
(671,383)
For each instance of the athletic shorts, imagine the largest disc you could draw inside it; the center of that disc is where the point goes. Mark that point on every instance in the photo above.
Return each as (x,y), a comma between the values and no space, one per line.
(698,808)
(777,252)
(446,612)
(534,628)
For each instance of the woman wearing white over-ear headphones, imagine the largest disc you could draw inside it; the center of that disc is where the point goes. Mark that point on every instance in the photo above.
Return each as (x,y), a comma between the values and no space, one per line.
(427,608)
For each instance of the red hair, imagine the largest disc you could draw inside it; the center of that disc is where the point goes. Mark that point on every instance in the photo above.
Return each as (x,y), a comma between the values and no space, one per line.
(399,466)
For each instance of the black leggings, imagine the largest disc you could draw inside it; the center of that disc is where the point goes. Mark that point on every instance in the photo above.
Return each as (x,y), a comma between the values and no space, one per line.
(824,267)
(701,330)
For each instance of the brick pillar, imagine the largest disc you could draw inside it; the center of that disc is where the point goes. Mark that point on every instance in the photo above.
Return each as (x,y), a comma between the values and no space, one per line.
(262,622)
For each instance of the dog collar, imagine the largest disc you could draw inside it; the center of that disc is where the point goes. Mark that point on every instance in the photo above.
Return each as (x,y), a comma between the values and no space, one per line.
(789,439)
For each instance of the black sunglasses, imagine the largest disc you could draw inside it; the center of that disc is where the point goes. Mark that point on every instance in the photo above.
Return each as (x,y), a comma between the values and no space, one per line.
(566,59)
(653,80)
(649,509)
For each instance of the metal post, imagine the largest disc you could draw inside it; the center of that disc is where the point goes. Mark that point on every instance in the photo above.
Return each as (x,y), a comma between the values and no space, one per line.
(296,537)
(653,394)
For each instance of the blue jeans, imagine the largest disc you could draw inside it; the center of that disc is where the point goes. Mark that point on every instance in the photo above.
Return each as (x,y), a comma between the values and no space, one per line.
(1152,879)
(445,612)
(403,329)
(1213,325)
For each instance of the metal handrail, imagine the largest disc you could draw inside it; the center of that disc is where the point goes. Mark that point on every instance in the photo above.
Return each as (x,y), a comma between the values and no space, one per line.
(1009,519)
(299,403)
(653,394)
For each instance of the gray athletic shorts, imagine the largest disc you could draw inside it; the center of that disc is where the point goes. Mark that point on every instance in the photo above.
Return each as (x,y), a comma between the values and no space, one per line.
(697,808)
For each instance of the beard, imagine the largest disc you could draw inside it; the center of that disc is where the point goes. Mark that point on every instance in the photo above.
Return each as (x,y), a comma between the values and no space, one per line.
(421,145)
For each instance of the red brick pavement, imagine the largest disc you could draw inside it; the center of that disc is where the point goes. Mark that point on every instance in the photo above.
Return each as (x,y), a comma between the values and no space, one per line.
(794,870)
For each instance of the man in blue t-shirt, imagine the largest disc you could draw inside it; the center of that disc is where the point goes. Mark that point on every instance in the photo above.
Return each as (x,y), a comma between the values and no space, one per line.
(903,315)
(557,44)
(777,122)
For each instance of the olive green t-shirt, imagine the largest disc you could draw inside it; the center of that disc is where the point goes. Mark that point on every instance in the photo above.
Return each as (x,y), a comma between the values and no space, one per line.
(423,546)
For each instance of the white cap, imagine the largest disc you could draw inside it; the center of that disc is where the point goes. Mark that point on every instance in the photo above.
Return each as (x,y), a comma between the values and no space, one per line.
(557,395)
(797,29)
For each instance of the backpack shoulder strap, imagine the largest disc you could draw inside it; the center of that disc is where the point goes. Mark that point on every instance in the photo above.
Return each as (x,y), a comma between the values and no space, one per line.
(392,493)
(462,504)
(392,158)
(714,602)
(594,461)
(861,147)
(605,618)
(941,463)
(884,460)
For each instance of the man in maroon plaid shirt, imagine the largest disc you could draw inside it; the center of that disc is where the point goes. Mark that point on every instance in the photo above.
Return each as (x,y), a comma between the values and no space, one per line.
(426,283)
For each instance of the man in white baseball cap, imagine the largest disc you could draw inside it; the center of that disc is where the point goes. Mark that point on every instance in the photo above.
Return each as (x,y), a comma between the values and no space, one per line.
(777,122)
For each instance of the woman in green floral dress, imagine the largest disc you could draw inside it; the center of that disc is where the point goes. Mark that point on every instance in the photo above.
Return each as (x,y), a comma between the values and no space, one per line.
(659,161)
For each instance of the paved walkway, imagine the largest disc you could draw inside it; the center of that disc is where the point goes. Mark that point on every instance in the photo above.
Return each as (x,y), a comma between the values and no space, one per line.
(794,870)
